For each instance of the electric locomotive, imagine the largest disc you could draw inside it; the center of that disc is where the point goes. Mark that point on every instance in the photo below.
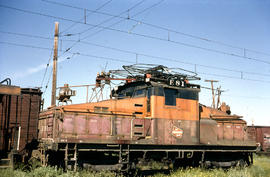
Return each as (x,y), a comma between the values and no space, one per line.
(155,115)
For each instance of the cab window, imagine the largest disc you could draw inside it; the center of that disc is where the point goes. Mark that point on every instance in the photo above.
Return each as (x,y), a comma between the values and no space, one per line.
(170,96)
(139,93)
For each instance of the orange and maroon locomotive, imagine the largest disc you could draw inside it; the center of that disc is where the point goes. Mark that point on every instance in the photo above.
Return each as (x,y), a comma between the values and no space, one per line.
(154,116)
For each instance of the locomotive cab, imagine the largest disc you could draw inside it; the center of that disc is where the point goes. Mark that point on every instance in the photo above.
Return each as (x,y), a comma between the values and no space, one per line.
(172,111)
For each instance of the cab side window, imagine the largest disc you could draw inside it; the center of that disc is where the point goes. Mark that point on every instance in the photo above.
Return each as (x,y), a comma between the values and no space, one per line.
(170,96)
(139,93)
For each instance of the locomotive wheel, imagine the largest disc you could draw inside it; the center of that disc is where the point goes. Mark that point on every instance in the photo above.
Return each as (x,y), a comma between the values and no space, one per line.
(35,160)
(38,158)
(241,163)
(36,154)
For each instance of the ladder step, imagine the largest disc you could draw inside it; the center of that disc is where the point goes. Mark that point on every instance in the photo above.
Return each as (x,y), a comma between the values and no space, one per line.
(5,162)
(5,166)
(124,162)
(5,159)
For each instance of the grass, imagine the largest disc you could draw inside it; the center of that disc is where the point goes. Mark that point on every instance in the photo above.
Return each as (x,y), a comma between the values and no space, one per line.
(52,172)
(261,168)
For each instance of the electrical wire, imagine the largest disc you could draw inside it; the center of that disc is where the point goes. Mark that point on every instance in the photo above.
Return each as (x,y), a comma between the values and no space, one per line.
(162,28)
(141,35)
(147,55)
(26,35)
(142,11)
(233,77)
(24,45)
(105,21)
(94,11)
(94,26)
(49,78)
(240,96)
(47,66)
(113,59)
(127,61)
(109,19)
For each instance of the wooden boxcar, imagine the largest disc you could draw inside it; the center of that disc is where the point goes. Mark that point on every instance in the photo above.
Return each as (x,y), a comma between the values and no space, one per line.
(19,112)
(261,134)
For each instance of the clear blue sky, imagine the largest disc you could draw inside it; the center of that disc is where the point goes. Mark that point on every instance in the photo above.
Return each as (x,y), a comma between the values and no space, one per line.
(243,23)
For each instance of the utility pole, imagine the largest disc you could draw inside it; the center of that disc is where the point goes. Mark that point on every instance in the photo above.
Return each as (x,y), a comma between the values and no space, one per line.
(213,91)
(55,55)
(219,94)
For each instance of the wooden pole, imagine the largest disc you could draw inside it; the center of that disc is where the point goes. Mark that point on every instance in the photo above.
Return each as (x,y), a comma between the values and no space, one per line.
(213,92)
(55,55)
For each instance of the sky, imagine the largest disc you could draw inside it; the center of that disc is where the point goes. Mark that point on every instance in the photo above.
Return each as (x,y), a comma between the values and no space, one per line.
(221,40)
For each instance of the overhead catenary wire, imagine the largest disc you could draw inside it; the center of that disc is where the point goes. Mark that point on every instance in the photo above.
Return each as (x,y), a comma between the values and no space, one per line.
(233,77)
(32,36)
(105,21)
(109,19)
(142,11)
(26,35)
(94,11)
(141,35)
(24,45)
(94,26)
(240,96)
(127,61)
(171,59)
(140,54)
(138,13)
(244,49)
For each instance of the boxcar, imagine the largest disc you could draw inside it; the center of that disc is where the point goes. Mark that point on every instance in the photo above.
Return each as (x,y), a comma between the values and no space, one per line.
(261,135)
(19,112)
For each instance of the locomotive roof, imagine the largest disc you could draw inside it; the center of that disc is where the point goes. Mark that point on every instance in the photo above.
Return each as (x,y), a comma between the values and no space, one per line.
(153,75)
(143,84)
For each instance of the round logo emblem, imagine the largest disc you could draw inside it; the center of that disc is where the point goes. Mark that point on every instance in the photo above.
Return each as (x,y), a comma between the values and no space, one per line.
(177,132)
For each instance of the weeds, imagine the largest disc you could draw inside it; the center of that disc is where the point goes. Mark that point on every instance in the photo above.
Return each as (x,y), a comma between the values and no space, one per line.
(261,168)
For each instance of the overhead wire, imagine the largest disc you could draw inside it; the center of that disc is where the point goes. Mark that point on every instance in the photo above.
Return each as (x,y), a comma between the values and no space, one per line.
(105,21)
(24,45)
(138,13)
(141,35)
(47,66)
(26,35)
(141,54)
(232,95)
(109,19)
(127,61)
(49,78)
(94,26)
(162,28)
(94,11)
(171,59)
(75,42)
(233,77)
(35,47)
